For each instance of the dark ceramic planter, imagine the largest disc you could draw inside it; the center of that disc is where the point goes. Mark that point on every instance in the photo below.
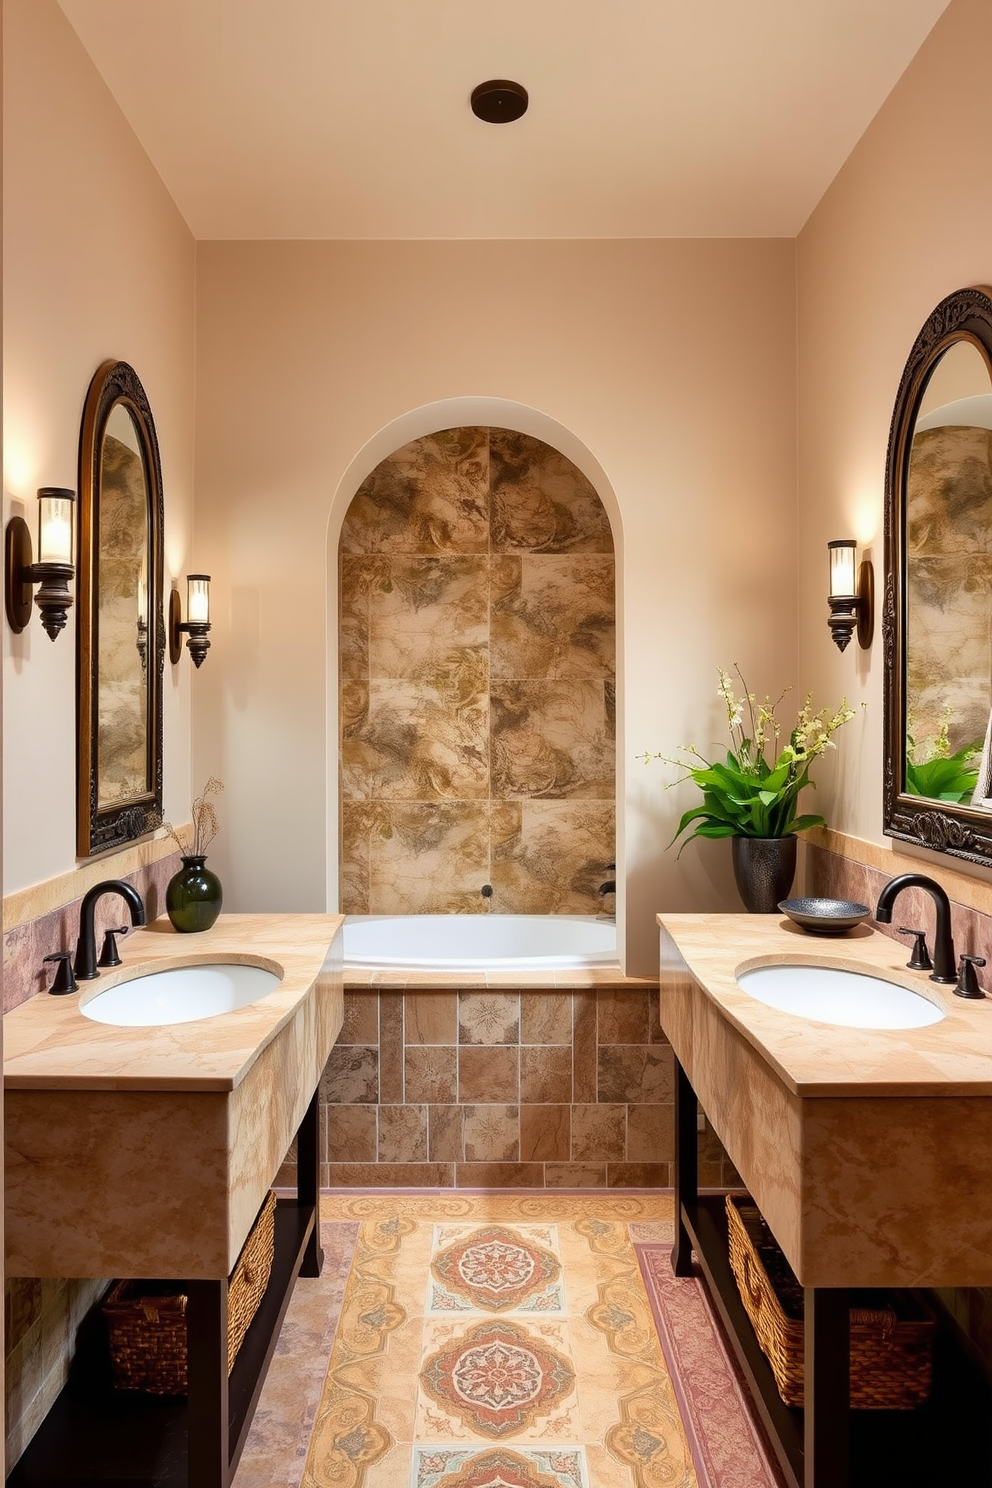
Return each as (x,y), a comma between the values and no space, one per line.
(194,896)
(764,868)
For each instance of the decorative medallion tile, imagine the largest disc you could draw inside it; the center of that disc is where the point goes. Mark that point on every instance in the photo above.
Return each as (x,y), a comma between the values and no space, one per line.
(495,1269)
(499,1467)
(499,1379)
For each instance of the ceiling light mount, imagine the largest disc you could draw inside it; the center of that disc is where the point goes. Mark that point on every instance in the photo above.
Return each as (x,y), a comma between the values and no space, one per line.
(499,102)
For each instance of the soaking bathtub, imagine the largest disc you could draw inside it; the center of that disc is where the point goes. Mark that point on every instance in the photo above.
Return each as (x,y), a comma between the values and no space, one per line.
(454,943)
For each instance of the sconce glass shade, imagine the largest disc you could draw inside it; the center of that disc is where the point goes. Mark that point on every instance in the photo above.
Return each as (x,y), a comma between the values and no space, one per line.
(197,622)
(198,599)
(851,596)
(842,561)
(56,507)
(54,569)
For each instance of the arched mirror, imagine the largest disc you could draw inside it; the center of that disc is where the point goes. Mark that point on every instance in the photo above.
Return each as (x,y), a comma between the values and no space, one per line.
(121,632)
(937,620)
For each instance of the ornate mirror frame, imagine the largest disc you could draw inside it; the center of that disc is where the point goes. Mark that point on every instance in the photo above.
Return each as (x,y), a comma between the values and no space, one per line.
(958,829)
(103,826)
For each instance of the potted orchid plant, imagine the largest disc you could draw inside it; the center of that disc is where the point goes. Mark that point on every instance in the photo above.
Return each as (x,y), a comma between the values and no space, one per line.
(752,793)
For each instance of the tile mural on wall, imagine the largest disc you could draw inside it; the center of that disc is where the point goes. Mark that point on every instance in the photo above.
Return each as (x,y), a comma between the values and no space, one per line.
(477,666)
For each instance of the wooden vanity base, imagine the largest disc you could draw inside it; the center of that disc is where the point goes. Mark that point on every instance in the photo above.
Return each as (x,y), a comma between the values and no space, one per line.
(95,1435)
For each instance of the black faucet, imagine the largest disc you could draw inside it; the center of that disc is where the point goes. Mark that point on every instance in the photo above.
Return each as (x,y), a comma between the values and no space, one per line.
(85,963)
(944,963)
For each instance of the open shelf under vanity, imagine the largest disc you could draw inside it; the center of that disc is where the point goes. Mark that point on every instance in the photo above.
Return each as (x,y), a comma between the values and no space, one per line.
(96,1435)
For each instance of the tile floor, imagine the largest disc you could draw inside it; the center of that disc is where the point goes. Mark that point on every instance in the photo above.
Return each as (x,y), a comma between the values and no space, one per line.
(532,1339)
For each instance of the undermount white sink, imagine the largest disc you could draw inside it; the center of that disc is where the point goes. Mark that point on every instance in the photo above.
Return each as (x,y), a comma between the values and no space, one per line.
(847,998)
(183,994)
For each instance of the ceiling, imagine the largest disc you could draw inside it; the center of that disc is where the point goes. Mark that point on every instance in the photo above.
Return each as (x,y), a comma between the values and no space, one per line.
(648,118)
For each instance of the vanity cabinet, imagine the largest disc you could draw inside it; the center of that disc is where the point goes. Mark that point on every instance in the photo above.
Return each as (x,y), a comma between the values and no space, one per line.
(866,1150)
(146,1152)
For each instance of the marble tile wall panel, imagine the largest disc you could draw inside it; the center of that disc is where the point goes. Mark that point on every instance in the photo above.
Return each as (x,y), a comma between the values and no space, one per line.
(553,616)
(950,642)
(540,501)
(556,860)
(573,1088)
(477,658)
(431,496)
(415,857)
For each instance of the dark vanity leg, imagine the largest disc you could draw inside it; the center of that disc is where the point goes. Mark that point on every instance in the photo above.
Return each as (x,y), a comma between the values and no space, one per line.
(308,1183)
(827,1375)
(686,1168)
(207,1401)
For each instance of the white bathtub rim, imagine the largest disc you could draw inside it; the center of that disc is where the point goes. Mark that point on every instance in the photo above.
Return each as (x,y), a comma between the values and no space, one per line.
(597,933)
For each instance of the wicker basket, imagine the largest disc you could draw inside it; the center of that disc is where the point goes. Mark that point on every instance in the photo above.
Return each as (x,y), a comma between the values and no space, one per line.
(146,1320)
(891,1335)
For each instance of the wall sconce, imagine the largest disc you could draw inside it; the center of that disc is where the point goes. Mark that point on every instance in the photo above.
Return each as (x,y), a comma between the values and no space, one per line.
(197,621)
(852,604)
(54,568)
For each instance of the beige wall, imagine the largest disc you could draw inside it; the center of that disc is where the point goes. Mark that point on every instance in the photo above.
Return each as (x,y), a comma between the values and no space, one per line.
(97,263)
(907,220)
(666,367)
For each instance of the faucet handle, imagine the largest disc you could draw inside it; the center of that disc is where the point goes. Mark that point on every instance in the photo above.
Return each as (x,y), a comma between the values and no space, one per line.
(63,980)
(110,956)
(920,959)
(967,980)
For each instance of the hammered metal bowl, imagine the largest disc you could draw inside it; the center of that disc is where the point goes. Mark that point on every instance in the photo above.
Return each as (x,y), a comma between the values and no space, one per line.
(825,916)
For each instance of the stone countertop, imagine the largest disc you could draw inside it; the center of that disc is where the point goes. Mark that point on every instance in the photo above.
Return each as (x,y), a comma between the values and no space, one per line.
(949,1058)
(50,1045)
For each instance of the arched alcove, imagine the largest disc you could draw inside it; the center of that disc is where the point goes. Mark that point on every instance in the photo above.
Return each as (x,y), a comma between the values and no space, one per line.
(475,702)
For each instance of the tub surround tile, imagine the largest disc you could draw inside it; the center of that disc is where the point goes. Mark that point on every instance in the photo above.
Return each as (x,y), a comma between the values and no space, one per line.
(635,1072)
(429,858)
(584,1046)
(651,1133)
(484,1018)
(552,739)
(444,1134)
(491,1133)
(545,1133)
(574,1175)
(490,1073)
(557,861)
(350,1134)
(546,1019)
(388,1175)
(359,574)
(541,501)
(637,1175)
(361,1019)
(390,1048)
(599,1133)
(423,741)
(498,1175)
(553,617)
(431,1018)
(431,1074)
(493,1097)
(402,1134)
(546,1075)
(624,1016)
(351,1075)
(435,601)
(431,496)
(425,615)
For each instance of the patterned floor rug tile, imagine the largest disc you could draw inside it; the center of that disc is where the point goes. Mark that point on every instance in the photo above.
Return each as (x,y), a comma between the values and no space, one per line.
(501,1340)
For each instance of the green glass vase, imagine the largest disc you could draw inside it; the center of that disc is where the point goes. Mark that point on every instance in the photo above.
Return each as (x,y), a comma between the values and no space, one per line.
(194,896)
